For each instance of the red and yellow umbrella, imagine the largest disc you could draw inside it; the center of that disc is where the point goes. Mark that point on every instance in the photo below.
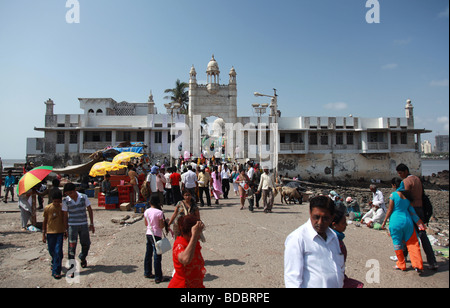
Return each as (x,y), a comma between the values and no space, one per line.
(32,177)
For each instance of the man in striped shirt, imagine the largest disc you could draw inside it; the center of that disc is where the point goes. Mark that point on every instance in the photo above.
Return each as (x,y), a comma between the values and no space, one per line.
(74,207)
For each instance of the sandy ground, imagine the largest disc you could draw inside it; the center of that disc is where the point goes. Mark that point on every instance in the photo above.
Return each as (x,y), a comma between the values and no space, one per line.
(243,250)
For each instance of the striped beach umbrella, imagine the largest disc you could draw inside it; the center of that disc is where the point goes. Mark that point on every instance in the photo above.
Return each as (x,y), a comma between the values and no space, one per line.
(31,178)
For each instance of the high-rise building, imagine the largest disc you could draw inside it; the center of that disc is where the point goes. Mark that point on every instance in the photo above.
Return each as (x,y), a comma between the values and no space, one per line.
(441,143)
(427,147)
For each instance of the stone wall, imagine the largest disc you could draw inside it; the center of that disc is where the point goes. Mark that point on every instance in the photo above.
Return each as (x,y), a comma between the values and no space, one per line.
(329,167)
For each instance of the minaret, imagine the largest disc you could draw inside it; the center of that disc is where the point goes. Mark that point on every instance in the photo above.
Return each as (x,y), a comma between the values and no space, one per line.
(50,117)
(409,113)
(49,103)
(212,75)
(151,104)
(193,76)
(232,95)
(232,76)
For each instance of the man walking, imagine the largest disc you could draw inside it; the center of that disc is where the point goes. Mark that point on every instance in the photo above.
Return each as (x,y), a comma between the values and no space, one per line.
(225,174)
(175,179)
(10,180)
(268,189)
(74,207)
(190,182)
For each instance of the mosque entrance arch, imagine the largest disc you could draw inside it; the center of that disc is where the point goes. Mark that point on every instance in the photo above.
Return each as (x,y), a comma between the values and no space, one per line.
(212,99)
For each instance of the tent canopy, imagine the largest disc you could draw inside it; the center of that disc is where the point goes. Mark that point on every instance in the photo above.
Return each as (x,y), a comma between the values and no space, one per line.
(139,150)
(77,169)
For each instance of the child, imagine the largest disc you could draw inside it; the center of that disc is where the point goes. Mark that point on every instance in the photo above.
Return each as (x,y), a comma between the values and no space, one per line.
(53,231)
(339,225)
(10,180)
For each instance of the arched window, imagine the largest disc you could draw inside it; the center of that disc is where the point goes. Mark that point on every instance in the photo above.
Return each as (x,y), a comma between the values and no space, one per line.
(99,112)
(91,111)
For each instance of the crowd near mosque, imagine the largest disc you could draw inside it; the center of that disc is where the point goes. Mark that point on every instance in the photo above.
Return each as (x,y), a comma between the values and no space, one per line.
(314,255)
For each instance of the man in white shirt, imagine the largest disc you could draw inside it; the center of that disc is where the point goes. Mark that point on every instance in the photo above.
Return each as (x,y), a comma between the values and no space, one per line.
(377,196)
(190,182)
(250,171)
(151,180)
(168,188)
(225,174)
(313,257)
(268,189)
(375,217)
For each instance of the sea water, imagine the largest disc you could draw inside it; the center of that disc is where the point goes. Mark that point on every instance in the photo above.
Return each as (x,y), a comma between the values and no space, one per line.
(430,166)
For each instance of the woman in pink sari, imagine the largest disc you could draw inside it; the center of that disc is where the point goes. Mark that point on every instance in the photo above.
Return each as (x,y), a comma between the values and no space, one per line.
(216,184)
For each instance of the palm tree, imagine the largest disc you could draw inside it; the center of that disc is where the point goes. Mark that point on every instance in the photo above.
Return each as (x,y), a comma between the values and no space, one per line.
(179,95)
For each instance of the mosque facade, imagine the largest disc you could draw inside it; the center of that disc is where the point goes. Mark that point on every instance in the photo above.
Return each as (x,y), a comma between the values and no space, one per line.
(307,146)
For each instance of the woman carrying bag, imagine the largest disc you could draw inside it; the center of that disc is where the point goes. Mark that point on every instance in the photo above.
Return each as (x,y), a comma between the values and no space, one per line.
(155,222)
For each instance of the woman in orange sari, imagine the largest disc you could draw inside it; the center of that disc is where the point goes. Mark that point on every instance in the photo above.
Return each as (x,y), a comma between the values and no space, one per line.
(187,257)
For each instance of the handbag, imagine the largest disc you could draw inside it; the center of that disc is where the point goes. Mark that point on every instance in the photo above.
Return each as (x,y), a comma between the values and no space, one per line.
(245,186)
(163,245)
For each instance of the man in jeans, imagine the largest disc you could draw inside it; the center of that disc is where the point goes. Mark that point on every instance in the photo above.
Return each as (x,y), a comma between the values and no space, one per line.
(74,207)
(413,184)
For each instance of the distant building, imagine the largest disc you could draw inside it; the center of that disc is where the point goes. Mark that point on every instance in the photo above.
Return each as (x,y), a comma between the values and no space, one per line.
(441,143)
(427,147)
(310,146)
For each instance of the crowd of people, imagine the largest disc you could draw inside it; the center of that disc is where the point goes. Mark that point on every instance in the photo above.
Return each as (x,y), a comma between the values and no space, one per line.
(204,180)
(315,253)
(188,185)
(186,191)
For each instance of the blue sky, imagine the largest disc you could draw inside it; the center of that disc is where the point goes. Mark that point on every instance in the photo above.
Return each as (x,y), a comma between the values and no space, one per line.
(321,55)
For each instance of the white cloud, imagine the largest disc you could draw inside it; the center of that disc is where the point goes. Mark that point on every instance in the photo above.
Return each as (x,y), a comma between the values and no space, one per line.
(444,13)
(439,83)
(336,106)
(389,66)
(442,119)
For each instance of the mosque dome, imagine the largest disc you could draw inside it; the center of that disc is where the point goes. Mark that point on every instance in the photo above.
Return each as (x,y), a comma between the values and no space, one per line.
(193,72)
(233,72)
(218,127)
(213,67)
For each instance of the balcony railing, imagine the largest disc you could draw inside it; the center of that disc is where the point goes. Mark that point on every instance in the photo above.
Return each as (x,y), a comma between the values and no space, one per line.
(292,146)
(378,146)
